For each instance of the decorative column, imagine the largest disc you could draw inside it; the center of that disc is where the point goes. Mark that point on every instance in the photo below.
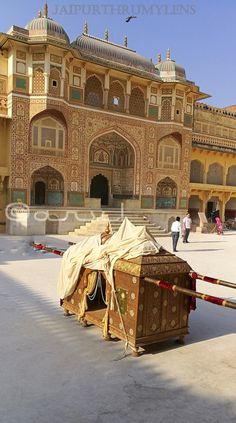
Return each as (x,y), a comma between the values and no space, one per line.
(127,94)
(1,183)
(105,99)
(127,97)
(83,75)
(47,70)
(205,173)
(225,198)
(204,197)
(106,89)
(29,66)
(173,105)
(147,100)
(226,168)
(159,103)
(63,75)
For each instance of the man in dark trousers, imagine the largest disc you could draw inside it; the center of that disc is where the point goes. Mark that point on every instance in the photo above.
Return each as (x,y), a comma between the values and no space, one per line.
(187,224)
(175,232)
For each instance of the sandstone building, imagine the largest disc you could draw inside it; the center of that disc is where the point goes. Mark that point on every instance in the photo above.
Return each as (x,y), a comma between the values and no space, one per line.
(90,124)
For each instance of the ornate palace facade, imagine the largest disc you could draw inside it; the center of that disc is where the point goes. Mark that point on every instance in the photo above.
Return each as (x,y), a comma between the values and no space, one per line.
(92,123)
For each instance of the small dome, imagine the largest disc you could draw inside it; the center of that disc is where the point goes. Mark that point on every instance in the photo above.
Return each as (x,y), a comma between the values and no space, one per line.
(169,70)
(47,27)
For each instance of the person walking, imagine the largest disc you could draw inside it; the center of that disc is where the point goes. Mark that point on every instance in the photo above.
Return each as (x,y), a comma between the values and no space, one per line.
(219,227)
(175,232)
(187,224)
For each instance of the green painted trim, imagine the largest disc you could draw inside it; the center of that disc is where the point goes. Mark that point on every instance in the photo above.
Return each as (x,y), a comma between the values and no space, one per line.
(75,199)
(75,94)
(153,111)
(21,83)
(18,196)
(147,202)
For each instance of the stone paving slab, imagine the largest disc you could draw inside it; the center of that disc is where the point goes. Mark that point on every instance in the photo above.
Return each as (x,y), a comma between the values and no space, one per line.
(54,371)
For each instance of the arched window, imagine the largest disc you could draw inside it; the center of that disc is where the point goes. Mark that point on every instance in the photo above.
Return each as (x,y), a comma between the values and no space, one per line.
(116,98)
(166,194)
(196,173)
(38,81)
(48,134)
(169,154)
(137,102)
(215,174)
(166,109)
(231,176)
(93,92)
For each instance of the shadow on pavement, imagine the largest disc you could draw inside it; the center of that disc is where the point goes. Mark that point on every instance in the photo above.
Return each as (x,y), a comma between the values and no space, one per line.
(52,370)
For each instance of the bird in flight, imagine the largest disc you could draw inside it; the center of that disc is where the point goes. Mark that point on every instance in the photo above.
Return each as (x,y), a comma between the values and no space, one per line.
(130,17)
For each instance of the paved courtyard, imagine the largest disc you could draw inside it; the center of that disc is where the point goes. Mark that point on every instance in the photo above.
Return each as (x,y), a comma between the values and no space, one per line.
(54,371)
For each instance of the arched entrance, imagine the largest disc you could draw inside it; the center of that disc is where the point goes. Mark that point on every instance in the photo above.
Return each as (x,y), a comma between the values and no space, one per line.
(100,189)
(47,187)
(111,169)
(40,191)
(166,194)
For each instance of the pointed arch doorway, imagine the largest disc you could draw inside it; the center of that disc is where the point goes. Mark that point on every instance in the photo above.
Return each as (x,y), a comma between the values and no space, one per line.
(113,157)
(40,192)
(100,189)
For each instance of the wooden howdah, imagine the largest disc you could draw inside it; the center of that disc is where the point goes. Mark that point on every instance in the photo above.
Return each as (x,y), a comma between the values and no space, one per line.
(150,314)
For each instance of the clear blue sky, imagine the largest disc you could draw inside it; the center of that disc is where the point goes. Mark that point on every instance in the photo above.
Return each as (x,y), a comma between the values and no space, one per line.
(200,33)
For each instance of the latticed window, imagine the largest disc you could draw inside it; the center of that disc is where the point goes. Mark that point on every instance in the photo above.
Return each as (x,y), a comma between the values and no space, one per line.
(55,82)
(48,134)
(169,154)
(137,102)
(94,92)
(166,109)
(178,110)
(38,81)
(196,173)
(116,98)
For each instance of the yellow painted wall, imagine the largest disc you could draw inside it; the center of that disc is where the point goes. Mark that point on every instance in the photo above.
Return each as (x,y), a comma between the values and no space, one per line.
(4,145)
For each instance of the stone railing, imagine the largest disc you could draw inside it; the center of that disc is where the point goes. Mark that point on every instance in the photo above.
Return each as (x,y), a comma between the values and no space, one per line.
(215,142)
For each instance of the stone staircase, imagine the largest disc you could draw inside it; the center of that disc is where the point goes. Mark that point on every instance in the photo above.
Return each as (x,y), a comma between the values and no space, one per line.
(113,219)
(93,227)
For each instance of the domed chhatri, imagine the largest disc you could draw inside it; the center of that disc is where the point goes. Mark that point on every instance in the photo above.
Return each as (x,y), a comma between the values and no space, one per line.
(44,27)
(169,70)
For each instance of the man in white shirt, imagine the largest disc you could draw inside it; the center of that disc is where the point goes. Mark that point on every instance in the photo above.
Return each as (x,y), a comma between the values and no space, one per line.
(187,224)
(175,232)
